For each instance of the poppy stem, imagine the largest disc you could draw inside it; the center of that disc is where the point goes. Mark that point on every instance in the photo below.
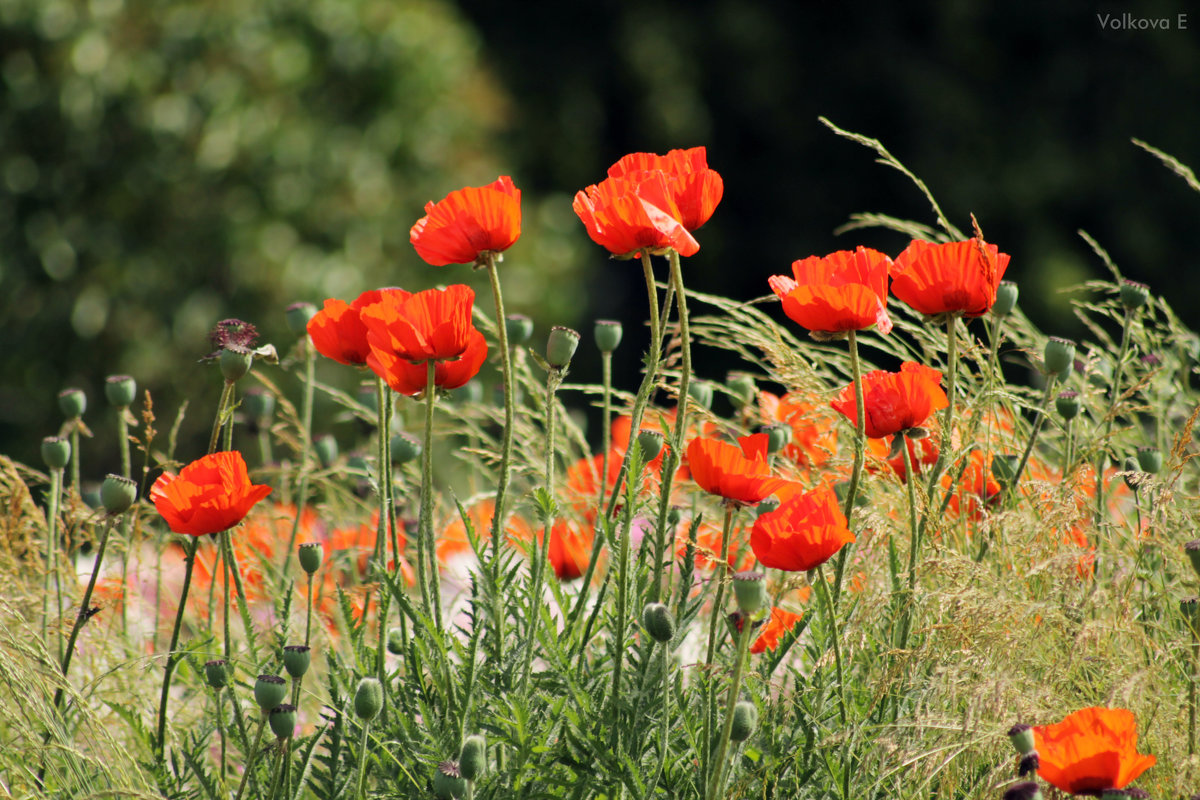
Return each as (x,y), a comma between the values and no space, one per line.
(914,545)
(948,420)
(860,438)
(1109,418)
(427,555)
(219,420)
(51,563)
(719,570)
(172,655)
(1195,665)
(83,615)
(1043,412)
(506,445)
(310,359)
(252,756)
(830,609)
(717,780)
(606,426)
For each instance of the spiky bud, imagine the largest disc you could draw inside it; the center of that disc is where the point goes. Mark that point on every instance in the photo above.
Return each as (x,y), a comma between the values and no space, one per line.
(120,390)
(659,622)
(296,658)
(368,698)
(472,761)
(745,720)
(750,590)
(448,782)
(608,335)
(650,443)
(395,641)
(216,673)
(269,691)
(743,388)
(283,720)
(1134,295)
(56,451)
(117,494)
(72,403)
(1059,356)
(560,347)
(519,328)
(1006,299)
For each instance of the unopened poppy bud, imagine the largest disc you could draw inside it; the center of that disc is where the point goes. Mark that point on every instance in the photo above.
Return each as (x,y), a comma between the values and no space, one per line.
(1059,356)
(1133,475)
(269,691)
(750,590)
(519,328)
(258,404)
(608,335)
(117,494)
(1021,737)
(120,390)
(56,451)
(216,672)
(326,448)
(701,392)
(472,761)
(560,347)
(448,782)
(405,448)
(368,698)
(395,641)
(283,720)
(296,658)
(1026,790)
(298,315)
(310,555)
(650,443)
(659,622)
(674,515)
(72,403)
(1067,405)
(1192,549)
(1028,764)
(768,505)
(1190,608)
(1004,467)
(1150,459)
(1134,295)
(743,388)
(235,364)
(745,720)
(778,437)
(1006,299)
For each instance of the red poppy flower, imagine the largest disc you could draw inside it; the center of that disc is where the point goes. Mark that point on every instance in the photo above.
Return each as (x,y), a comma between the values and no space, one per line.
(695,189)
(923,452)
(844,291)
(627,216)
(469,222)
(209,495)
(895,401)
(409,379)
(570,549)
(803,533)
(976,487)
(814,440)
(738,474)
(431,325)
(1091,750)
(338,332)
(780,623)
(956,277)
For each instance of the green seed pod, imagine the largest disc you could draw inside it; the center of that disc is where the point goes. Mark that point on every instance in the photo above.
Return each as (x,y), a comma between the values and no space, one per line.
(743,388)
(56,451)
(651,444)
(1026,790)
(778,436)
(1006,299)
(768,505)
(607,334)
(1059,356)
(269,691)
(1021,737)
(298,315)
(1067,405)
(701,392)
(235,364)
(395,641)
(1192,550)
(368,698)
(1150,460)
(296,658)
(750,590)
(72,403)
(560,347)
(745,720)
(310,555)
(283,720)
(674,515)
(405,448)
(472,761)
(120,390)
(1134,295)
(216,672)
(117,494)
(1004,467)
(326,448)
(519,328)
(448,782)
(258,404)
(658,622)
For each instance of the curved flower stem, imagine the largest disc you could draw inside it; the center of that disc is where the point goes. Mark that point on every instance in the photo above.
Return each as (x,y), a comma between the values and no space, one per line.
(51,562)
(664,727)
(310,358)
(123,441)
(82,616)
(226,568)
(860,439)
(914,544)
(219,420)
(506,446)
(362,761)
(75,458)
(1037,427)
(823,591)
(173,656)
(220,734)
(1109,418)
(622,612)
(427,573)
(252,756)
(717,780)
(1193,667)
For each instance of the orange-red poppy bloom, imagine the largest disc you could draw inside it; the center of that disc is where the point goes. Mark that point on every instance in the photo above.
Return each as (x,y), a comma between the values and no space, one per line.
(695,188)
(433,325)
(453,540)
(956,277)
(1091,750)
(209,495)
(626,216)
(844,291)
(814,439)
(409,379)
(895,401)
(469,222)
(780,623)
(740,474)
(803,533)
(337,331)
(570,549)
(923,452)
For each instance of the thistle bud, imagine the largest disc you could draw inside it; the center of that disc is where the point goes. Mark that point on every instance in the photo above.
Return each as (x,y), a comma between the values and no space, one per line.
(395,641)
(326,448)
(658,622)
(472,761)
(368,698)
(1192,550)
(650,443)
(1006,299)
(56,451)
(298,315)
(1067,405)
(1150,460)
(216,672)
(405,448)
(745,720)
(1029,763)
(258,405)
(1026,790)
(117,494)
(296,658)
(608,335)
(768,505)
(72,403)
(1134,295)
(120,390)
(701,392)
(750,590)
(269,691)
(519,328)
(1021,737)
(778,436)
(560,347)
(283,720)
(1059,356)
(448,781)
(310,555)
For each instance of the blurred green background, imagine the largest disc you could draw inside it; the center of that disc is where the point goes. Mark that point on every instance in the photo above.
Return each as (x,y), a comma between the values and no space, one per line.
(165,165)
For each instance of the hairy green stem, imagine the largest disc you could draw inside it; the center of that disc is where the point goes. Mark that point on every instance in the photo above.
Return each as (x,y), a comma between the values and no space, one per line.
(172,656)
(359,783)
(51,562)
(717,618)
(252,756)
(606,425)
(431,592)
(823,591)
(510,399)
(306,412)
(914,544)
(860,439)
(84,614)
(1043,412)
(219,420)
(717,779)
